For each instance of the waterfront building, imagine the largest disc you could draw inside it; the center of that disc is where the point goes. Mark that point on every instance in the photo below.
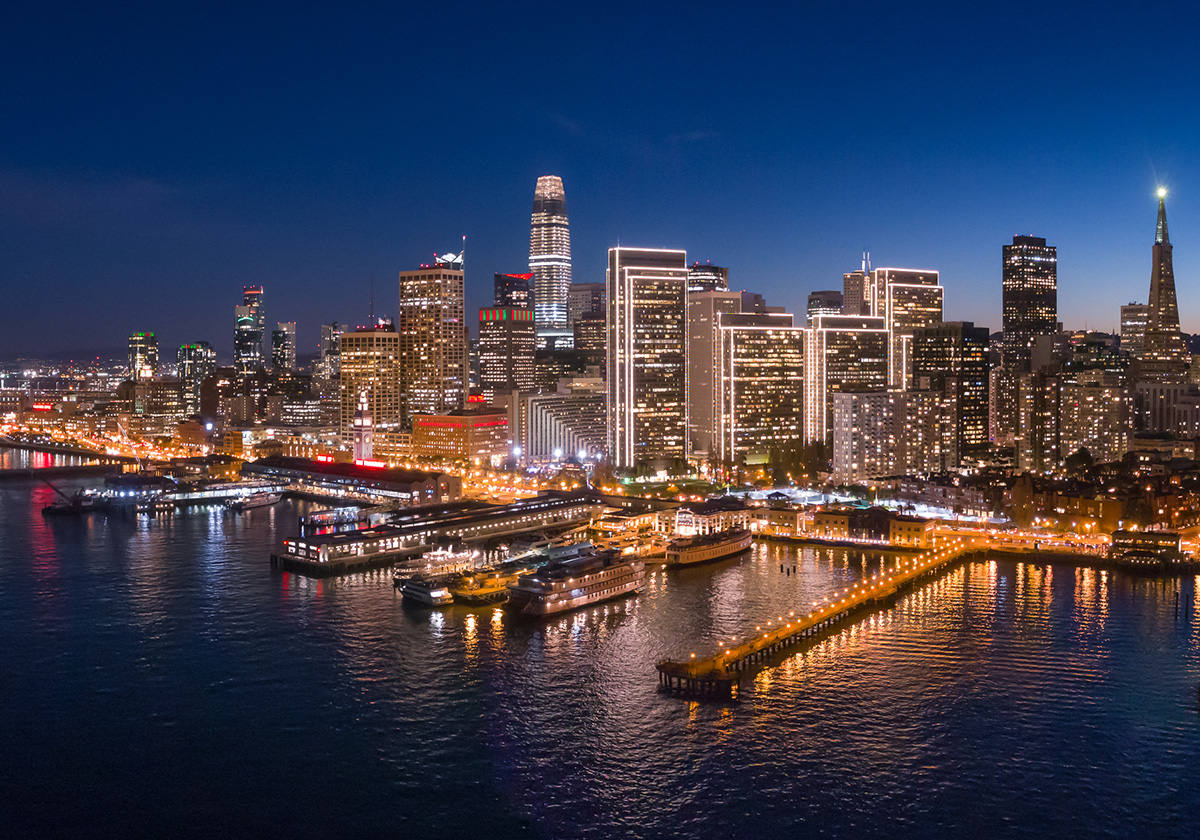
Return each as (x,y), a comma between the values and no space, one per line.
(370,368)
(703,310)
(760,385)
(827,302)
(433,339)
(550,254)
(195,363)
(375,479)
(908,299)
(953,355)
(585,300)
(249,328)
(1030,297)
(283,347)
(892,433)
(143,355)
(364,430)
(467,435)
(1164,358)
(565,423)
(507,342)
(647,361)
(1134,317)
(513,290)
(707,278)
(844,354)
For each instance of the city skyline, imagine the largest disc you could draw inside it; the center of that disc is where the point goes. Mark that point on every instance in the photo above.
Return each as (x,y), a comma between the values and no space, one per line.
(138,222)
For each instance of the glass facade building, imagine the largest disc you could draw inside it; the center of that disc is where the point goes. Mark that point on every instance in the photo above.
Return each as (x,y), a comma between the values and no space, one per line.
(550,254)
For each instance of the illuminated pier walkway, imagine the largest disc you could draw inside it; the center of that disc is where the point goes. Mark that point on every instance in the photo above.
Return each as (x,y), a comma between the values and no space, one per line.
(720,675)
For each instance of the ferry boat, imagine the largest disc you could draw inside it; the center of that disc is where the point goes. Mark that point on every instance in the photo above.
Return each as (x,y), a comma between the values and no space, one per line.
(252,501)
(709,547)
(569,584)
(488,586)
(430,590)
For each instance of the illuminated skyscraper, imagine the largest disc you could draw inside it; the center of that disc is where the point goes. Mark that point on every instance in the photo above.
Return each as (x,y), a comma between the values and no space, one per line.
(1165,358)
(844,354)
(550,254)
(370,370)
(249,331)
(585,300)
(856,287)
(433,339)
(143,356)
(196,363)
(1030,299)
(703,310)
(328,366)
(1134,317)
(513,290)
(951,357)
(708,278)
(507,341)
(908,299)
(826,302)
(760,385)
(647,373)
(283,347)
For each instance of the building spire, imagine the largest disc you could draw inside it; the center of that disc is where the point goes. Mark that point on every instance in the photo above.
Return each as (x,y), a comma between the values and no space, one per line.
(1160,235)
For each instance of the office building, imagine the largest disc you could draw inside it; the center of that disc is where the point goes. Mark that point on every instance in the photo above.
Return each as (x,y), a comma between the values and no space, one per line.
(550,426)
(550,254)
(589,333)
(249,328)
(143,356)
(647,371)
(283,347)
(1030,297)
(760,386)
(585,300)
(952,355)
(908,299)
(433,338)
(856,289)
(513,290)
(475,436)
(370,367)
(707,278)
(892,433)
(1134,317)
(507,342)
(1165,358)
(328,366)
(703,310)
(827,302)
(195,363)
(844,354)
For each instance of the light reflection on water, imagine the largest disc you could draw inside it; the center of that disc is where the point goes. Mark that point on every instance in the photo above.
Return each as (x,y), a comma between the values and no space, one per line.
(1048,701)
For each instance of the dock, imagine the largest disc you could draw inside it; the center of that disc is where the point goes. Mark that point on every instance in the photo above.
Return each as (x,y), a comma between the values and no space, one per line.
(719,676)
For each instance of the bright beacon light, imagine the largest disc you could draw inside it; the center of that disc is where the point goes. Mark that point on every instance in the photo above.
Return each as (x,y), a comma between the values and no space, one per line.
(1162,192)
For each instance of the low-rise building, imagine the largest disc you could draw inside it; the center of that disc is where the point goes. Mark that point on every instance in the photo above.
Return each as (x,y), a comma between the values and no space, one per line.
(473,435)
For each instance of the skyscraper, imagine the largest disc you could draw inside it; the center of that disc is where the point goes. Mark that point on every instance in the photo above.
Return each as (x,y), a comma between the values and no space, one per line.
(1134,317)
(550,254)
(707,278)
(513,290)
(283,347)
(856,287)
(1030,298)
(844,354)
(909,299)
(507,341)
(585,300)
(328,365)
(196,363)
(647,374)
(433,339)
(370,373)
(951,357)
(703,311)
(825,302)
(249,330)
(1164,356)
(143,356)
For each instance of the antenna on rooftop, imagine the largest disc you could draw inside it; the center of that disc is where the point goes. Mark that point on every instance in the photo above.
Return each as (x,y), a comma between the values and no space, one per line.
(372,313)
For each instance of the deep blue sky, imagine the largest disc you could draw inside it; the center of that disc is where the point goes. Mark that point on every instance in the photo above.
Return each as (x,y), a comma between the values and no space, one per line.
(153,161)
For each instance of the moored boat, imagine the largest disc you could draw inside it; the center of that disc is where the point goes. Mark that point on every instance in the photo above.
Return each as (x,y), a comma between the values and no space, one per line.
(566,585)
(430,590)
(253,500)
(709,547)
(488,586)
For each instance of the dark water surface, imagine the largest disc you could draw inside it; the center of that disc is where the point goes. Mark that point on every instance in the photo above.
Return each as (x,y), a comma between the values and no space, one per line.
(158,678)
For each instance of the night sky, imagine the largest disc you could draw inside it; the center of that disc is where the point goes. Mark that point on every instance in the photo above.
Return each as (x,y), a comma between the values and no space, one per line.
(153,161)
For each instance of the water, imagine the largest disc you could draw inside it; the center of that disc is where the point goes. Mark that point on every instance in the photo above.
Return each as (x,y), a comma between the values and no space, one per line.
(160,679)
(24,459)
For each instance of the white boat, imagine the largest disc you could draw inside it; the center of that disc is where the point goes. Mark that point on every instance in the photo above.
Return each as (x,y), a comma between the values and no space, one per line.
(709,547)
(430,590)
(253,500)
(570,584)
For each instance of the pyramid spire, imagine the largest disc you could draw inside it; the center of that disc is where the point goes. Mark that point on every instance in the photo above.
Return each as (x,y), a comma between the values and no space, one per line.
(1160,235)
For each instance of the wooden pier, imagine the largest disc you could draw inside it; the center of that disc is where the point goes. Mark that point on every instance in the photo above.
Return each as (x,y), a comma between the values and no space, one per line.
(719,676)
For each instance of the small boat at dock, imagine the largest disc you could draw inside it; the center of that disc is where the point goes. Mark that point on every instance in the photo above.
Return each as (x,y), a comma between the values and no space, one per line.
(254,500)
(709,547)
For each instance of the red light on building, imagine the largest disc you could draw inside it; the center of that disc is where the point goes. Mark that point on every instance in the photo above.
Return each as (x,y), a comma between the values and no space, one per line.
(325,459)
(375,465)
(42,406)
(477,398)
